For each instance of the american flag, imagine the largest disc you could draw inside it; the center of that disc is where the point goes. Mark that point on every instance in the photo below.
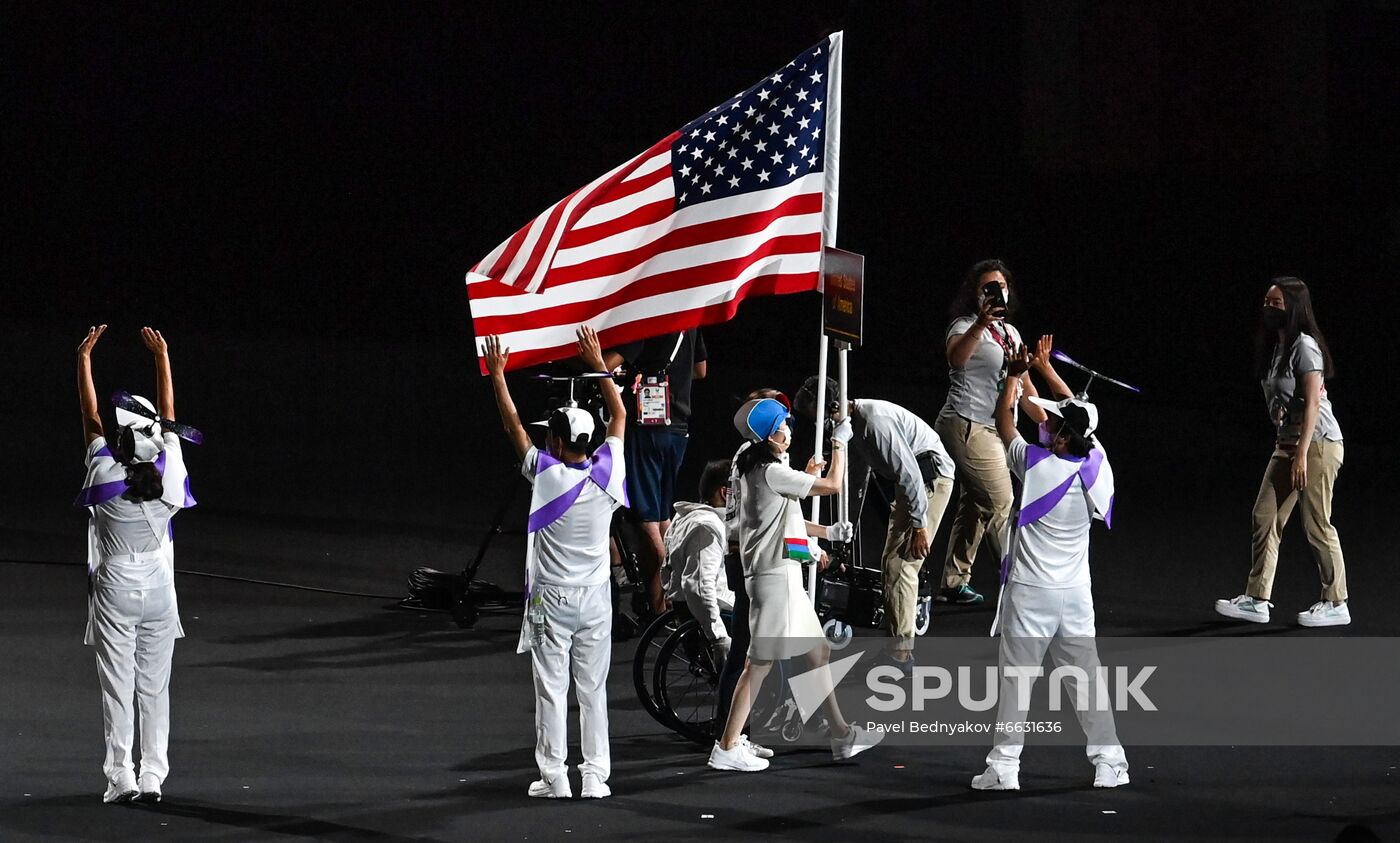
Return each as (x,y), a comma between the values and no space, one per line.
(736,203)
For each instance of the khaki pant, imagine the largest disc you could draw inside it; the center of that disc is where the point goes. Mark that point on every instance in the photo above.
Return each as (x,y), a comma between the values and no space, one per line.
(1275,504)
(901,574)
(984,494)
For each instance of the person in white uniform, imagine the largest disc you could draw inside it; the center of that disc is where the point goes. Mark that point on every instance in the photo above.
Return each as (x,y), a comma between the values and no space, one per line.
(1046,601)
(567,627)
(133,487)
(774,541)
(695,548)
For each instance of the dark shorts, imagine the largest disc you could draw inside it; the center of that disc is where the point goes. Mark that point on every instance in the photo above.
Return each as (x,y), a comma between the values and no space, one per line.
(654,458)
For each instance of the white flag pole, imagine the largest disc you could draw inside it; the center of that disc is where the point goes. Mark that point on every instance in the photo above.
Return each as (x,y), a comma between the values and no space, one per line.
(815,502)
(831,186)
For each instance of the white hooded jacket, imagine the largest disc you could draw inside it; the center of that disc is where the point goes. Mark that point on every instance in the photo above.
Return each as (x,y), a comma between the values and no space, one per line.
(695,546)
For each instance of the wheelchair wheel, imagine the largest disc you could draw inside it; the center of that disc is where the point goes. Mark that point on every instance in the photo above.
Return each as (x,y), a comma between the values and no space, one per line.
(923,615)
(839,634)
(686,683)
(644,662)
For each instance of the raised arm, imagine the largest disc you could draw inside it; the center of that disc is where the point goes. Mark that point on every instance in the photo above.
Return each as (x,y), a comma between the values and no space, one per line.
(1028,391)
(1006,421)
(592,355)
(496,358)
(831,483)
(1040,362)
(959,349)
(165,387)
(87,394)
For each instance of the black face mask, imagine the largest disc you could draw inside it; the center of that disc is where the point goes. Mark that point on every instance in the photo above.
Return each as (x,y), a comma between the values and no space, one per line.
(1275,319)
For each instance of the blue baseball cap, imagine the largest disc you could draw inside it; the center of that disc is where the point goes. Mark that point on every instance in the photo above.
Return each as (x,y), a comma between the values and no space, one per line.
(760,418)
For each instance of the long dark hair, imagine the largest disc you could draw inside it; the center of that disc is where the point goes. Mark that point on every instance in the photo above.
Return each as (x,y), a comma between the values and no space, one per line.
(143,480)
(965,303)
(1301,320)
(759,453)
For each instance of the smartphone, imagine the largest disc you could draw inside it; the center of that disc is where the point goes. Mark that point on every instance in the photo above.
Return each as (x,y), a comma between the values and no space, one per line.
(992,291)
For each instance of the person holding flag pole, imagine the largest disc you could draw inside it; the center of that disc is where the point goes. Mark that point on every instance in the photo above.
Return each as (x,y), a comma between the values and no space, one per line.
(774,540)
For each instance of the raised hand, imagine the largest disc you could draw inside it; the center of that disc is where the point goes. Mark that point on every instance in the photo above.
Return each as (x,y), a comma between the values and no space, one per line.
(496,357)
(589,350)
(1019,363)
(1041,357)
(155,343)
(94,333)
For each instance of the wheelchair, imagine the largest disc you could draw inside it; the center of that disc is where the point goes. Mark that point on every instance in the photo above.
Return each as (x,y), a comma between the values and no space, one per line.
(677,682)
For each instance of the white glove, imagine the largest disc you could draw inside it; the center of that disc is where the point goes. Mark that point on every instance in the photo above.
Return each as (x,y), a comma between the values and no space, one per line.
(841,531)
(842,431)
(719,652)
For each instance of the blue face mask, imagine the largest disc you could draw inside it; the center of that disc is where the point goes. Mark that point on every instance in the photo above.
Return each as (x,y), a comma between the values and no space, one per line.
(1046,436)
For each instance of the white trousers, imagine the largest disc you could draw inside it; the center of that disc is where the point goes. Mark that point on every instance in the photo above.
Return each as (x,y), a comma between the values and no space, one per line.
(1060,620)
(576,640)
(134,636)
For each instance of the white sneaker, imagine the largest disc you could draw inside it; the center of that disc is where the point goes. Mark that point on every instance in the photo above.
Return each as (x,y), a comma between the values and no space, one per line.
(594,787)
(740,758)
(760,751)
(1106,775)
(557,789)
(1244,608)
(122,789)
(1323,613)
(992,780)
(857,740)
(149,786)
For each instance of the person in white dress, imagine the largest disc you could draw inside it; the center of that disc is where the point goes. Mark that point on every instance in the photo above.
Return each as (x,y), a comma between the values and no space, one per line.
(774,540)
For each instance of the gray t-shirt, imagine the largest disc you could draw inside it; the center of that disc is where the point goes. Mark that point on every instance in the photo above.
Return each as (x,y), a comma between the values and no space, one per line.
(1285,403)
(890,439)
(770,514)
(973,388)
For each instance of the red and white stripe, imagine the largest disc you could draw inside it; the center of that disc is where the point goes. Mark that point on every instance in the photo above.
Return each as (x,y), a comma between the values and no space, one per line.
(616,256)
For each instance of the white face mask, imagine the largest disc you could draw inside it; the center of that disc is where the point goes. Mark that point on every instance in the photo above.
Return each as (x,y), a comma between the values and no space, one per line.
(782,437)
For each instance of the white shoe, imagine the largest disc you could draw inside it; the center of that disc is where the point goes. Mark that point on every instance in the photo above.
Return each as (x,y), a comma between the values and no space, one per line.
(122,789)
(1323,613)
(1244,608)
(760,751)
(1107,775)
(149,786)
(557,789)
(857,740)
(992,780)
(740,758)
(594,787)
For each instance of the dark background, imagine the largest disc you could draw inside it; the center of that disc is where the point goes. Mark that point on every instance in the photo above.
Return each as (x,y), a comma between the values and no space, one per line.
(292,193)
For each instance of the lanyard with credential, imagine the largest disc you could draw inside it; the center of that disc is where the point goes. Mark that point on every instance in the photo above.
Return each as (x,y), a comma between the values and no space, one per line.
(654,395)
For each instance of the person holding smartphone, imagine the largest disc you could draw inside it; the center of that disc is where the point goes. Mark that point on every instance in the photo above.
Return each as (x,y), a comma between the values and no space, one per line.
(979,342)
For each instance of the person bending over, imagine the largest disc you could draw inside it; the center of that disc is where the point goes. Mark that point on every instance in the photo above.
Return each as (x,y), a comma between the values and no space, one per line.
(900,448)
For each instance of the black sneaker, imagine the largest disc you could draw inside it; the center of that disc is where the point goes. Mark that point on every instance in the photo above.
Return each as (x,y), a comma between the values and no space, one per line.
(906,667)
(963,595)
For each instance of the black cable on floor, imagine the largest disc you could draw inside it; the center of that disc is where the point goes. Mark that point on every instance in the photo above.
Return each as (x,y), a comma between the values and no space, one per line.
(228,577)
